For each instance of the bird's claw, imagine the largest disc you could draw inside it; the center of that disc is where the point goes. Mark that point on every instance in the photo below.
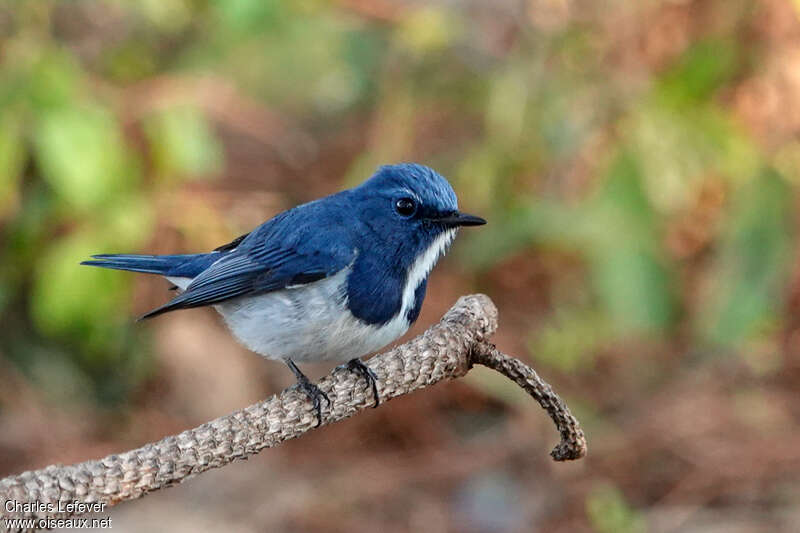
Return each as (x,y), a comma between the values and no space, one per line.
(358,366)
(315,394)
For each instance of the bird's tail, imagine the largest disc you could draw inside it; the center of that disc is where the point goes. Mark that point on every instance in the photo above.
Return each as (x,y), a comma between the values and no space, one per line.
(189,265)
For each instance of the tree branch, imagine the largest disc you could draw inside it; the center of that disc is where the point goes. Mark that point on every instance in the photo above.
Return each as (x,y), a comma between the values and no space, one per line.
(445,351)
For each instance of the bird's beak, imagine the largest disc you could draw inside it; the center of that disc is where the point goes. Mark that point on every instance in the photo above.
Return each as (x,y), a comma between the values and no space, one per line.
(457,219)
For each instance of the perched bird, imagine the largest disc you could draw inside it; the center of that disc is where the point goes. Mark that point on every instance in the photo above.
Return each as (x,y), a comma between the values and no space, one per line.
(330,280)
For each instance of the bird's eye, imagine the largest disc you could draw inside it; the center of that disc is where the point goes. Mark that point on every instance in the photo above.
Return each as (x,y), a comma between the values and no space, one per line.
(405,206)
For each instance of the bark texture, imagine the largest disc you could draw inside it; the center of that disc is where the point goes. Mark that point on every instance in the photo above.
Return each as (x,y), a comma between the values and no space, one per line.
(447,350)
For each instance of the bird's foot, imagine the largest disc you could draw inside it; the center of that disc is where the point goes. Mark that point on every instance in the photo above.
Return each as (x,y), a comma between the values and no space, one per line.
(358,366)
(315,394)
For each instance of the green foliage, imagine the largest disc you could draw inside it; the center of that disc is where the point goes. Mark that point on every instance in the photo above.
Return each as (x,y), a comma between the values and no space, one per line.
(11,160)
(671,137)
(427,30)
(82,155)
(70,186)
(59,303)
(628,268)
(182,143)
(567,341)
(701,71)
(609,512)
(309,59)
(752,266)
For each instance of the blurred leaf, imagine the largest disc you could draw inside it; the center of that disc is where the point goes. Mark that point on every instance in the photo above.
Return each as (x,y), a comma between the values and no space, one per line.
(496,386)
(131,61)
(701,70)
(609,512)
(505,114)
(677,148)
(427,29)
(82,155)
(307,47)
(633,285)
(681,135)
(628,268)
(183,144)
(622,203)
(363,50)
(568,340)
(55,79)
(337,89)
(787,162)
(477,177)
(127,222)
(541,223)
(248,15)
(11,159)
(750,272)
(168,15)
(24,236)
(73,300)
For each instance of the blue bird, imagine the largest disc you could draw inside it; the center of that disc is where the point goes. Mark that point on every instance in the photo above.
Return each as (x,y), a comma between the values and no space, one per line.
(330,280)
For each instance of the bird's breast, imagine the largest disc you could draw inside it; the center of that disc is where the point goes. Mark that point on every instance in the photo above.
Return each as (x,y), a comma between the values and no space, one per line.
(381,289)
(357,311)
(311,322)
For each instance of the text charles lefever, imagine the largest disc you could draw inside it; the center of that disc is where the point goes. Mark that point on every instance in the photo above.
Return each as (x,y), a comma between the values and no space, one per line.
(36,507)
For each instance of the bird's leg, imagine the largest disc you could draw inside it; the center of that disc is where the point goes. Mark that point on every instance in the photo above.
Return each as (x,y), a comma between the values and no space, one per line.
(357,365)
(312,391)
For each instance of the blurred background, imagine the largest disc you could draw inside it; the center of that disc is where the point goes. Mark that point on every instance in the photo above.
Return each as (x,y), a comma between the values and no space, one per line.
(638,162)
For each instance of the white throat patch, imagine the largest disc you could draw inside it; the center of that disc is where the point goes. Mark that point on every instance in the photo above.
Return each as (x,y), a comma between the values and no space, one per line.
(422,266)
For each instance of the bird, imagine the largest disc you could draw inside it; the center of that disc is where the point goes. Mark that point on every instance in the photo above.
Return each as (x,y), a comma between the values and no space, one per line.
(333,280)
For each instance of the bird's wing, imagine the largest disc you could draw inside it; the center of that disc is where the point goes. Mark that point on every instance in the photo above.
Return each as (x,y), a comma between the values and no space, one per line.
(263,263)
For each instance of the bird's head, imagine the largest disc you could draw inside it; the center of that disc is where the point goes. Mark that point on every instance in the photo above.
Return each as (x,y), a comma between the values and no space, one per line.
(410,207)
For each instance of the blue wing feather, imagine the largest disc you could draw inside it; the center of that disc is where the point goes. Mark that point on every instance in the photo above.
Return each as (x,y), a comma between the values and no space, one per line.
(179,266)
(282,252)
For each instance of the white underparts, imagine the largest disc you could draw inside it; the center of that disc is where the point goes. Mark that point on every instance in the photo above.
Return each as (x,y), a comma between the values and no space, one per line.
(181,283)
(307,323)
